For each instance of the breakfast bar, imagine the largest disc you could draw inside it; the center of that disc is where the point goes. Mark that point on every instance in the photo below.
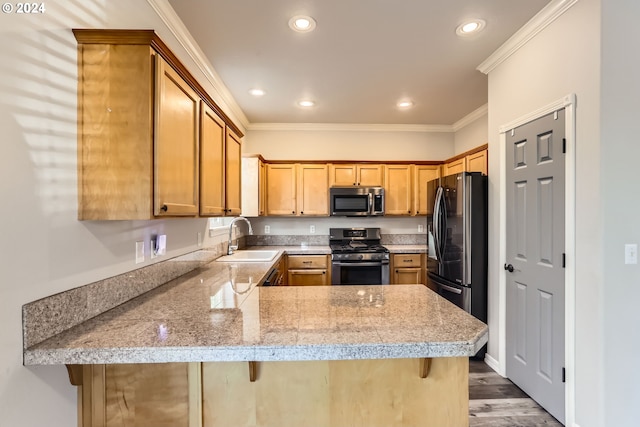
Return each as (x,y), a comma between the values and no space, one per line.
(215,348)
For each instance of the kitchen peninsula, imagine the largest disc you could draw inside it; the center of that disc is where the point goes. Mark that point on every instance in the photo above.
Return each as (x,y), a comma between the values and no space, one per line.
(214,348)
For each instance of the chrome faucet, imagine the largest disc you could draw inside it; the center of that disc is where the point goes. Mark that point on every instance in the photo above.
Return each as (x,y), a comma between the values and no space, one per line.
(231,247)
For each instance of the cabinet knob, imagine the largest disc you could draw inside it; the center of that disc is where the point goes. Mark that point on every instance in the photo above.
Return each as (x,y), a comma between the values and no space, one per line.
(301,213)
(164,208)
(293,212)
(408,211)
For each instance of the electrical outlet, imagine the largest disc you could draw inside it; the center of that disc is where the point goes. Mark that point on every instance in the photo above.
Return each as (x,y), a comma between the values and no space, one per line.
(161,245)
(139,252)
(420,228)
(267,229)
(631,253)
(312,229)
(199,240)
(152,245)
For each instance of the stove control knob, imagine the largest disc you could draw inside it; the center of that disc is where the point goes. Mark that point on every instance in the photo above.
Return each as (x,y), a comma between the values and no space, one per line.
(360,256)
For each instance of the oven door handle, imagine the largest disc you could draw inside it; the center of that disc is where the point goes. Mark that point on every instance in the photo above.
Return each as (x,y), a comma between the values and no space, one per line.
(361,264)
(450,289)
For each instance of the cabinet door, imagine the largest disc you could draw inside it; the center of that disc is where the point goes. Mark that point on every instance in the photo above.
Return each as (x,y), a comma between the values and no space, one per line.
(262,188)
(342,175)
(313,189)
(370,175)
(307,277)
(421,175)
(212,134)
(233,160)
(477,162)
(407,276)
(176,144)
(281,189)
(398,191)
(454,167)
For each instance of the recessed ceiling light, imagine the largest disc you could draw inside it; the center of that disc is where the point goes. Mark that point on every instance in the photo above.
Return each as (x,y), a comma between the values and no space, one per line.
(302,23)
(470,27)
(405,104)
(306,103)
(257,92)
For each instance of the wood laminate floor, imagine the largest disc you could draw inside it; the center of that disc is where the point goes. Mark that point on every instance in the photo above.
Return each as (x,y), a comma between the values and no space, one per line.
(496,402)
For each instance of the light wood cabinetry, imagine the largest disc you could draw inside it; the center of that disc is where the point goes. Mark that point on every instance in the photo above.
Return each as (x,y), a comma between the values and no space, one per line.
(471,161)
(408,269)
(453,167)
(332,393)
(398,189)
(313,189)
(176,144)
(422,174)
(370,175)
(141,123)
(305,270)
(212,136)
(297,189)
(281,189)
(233,170)
(477,162)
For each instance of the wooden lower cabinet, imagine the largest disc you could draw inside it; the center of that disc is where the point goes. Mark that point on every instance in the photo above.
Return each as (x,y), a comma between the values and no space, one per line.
(386,392)
(312,270)
(407,269)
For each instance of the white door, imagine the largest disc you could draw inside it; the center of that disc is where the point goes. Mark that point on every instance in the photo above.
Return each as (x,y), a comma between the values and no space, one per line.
(535,179)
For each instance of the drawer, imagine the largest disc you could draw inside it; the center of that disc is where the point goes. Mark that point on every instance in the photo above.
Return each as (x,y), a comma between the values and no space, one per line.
(307,261)
(406,260)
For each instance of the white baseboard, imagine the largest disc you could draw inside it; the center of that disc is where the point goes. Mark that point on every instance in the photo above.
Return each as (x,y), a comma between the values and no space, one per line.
(493,363)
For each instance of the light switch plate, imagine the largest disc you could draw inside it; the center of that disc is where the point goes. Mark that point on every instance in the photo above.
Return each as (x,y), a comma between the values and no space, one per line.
(631,253)
(161,245)
(139,252)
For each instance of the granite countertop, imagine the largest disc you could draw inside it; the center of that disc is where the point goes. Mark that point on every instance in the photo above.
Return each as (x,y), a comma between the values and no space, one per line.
(218,313)
(320,249)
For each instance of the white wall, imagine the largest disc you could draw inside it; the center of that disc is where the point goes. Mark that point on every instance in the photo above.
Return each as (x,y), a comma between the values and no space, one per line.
(472,135)
(620,202)
(563,59)
(349,145)
(44,248)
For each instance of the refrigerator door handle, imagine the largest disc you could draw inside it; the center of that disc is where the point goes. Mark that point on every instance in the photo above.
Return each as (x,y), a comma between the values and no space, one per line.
(436,223)
(442,222)
(450,289)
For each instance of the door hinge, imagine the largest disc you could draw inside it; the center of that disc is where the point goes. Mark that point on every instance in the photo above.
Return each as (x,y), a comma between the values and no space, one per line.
(564,145)
(564,375)
(564,260)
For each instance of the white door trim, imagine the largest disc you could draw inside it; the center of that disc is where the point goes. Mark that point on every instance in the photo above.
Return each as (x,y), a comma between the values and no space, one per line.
(569,104)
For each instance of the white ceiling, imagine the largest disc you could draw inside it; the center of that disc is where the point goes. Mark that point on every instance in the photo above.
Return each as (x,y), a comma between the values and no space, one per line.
(363,57)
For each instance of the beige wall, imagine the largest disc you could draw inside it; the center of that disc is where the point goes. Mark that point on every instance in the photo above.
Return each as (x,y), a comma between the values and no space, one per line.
(562,59)
(472,135)
(349,145)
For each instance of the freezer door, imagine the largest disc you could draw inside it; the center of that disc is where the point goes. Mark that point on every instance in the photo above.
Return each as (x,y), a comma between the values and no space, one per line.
(458,295)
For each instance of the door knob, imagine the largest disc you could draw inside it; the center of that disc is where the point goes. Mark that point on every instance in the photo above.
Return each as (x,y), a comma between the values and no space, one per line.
(509,268)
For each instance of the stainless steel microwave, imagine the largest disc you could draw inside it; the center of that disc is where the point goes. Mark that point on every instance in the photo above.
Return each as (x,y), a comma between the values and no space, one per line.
(356,201)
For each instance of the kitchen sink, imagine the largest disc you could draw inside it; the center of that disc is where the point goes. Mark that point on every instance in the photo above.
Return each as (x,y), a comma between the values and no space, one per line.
(249,256)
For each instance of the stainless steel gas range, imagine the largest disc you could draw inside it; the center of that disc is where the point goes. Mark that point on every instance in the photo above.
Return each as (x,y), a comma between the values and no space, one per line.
(357,257)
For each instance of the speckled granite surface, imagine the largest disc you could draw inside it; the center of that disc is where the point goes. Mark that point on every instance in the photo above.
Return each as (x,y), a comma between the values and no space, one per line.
(217,313)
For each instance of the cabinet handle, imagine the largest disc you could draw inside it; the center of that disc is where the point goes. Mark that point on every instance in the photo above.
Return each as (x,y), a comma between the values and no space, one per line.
(293,212)
(417,212)
(164,208)
(408,211)
(301,213)
(406,260)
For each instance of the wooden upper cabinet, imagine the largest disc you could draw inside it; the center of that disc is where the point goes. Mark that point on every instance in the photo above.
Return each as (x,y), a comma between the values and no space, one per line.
(233,171)
(477,162)
(370,175)
(398,190)
(212,137)
(139,130)
(453,167)
(281,189)
(422,174)
(313,189)
(176,144)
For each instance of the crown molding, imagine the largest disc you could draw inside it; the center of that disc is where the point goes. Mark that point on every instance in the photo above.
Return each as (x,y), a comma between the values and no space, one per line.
(471,117)
(166,13)
(341,127)
(563,102)
(540,21)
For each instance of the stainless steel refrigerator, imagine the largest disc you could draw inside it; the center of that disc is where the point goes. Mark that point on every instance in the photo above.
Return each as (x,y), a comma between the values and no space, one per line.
(457,240)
